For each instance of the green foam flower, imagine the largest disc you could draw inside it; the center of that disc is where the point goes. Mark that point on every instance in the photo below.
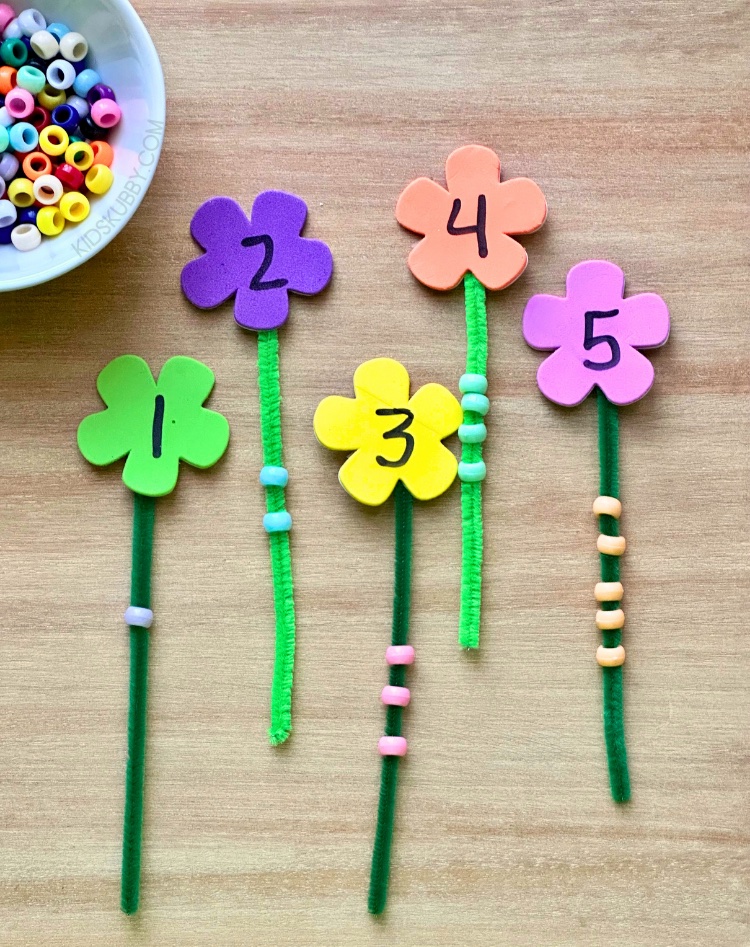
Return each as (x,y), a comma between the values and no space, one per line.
(155,424)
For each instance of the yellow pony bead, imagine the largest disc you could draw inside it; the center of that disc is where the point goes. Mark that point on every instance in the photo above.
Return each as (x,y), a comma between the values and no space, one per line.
(21,192)
(80,155)
(50,98)
(99,179)
(75,207)
(50,221)
(54,140)
(394,437)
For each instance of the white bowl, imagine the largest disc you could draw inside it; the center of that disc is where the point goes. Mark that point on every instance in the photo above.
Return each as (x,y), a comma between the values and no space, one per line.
(124,56)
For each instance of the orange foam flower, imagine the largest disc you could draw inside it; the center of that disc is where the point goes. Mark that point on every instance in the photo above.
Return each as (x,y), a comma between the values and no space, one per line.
(466,227)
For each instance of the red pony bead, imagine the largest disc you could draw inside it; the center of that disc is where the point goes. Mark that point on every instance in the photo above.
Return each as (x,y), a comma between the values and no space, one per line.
(40,118)
(70,176)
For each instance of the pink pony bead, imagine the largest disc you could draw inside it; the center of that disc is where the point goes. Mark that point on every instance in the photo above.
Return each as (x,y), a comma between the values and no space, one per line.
(395,696)
(392,746)
(19,103)
(105,113)
(6,15)
(399,654)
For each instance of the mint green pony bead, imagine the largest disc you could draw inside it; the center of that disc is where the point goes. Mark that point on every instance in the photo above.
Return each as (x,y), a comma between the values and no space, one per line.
(472,433)
(31,79)
(476,402)
(472,383)
(472,473)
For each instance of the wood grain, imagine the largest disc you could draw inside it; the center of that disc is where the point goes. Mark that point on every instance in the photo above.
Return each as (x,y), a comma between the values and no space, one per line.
(633,119)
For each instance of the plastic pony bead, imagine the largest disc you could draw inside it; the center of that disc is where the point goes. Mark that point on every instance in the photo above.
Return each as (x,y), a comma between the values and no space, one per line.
(23,137)
(74,47)
(99,179)
(21,192)
(280,522)
(45,44)
(610,657)
(54,140)
(611,545)
(19,102)
(399,654)
(26,237)
(103,153)
(75,207)
(607,506)
(61,74)
(85,82)
(137,617)
(392,746)
(70,176)
(31,21)
(106,113)
(48,189)
(50,221)
(36,164)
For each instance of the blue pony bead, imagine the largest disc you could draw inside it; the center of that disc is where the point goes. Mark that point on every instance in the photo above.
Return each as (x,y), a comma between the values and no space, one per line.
(277,522)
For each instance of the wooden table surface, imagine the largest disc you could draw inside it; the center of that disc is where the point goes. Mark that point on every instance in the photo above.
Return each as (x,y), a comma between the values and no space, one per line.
(633,119)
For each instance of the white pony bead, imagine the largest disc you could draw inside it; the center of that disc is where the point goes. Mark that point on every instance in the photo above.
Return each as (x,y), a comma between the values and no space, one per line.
(139,617)
(26,237)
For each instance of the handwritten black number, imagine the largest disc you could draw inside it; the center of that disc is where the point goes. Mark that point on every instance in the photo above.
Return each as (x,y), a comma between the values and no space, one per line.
(479,228)
(401,430)
(157,428)
(590,340)
(257,281)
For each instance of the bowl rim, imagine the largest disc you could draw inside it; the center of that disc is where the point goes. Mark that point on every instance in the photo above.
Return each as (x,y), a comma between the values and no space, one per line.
(136,26)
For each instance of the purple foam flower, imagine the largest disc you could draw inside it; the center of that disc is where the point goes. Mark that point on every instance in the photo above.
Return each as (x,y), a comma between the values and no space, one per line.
(596,334)
(261,260)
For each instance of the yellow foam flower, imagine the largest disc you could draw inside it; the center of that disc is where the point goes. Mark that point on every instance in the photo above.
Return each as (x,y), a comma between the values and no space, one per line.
(394,437)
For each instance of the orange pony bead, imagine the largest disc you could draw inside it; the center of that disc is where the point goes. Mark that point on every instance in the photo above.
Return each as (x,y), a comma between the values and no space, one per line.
(36,164)
(466,227)
(103,153)
(7,79)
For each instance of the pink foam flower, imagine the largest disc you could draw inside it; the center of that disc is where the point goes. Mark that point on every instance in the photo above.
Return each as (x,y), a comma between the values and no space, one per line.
(595,333)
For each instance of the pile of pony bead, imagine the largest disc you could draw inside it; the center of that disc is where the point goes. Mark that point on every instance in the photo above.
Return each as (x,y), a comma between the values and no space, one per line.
(55,118)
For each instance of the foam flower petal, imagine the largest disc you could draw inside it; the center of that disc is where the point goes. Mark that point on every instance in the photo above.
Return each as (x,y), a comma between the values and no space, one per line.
(365,480)
(259,311)
(646,320)
(595,284)
(630,380)
(151,479)
(437,269)
(504,264)
(563,379)
(545,321)
(423,206)
(339,423)
(208,441)
(434,469)
(382,380)
(520,206)
(436,408)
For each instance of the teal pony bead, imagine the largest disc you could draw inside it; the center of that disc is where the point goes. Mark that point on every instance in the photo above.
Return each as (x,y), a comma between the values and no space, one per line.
(31,79)
(472,383)
(14,53)
(472,433)
(280,522)
(475,402)
(472,473)
(274,476)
